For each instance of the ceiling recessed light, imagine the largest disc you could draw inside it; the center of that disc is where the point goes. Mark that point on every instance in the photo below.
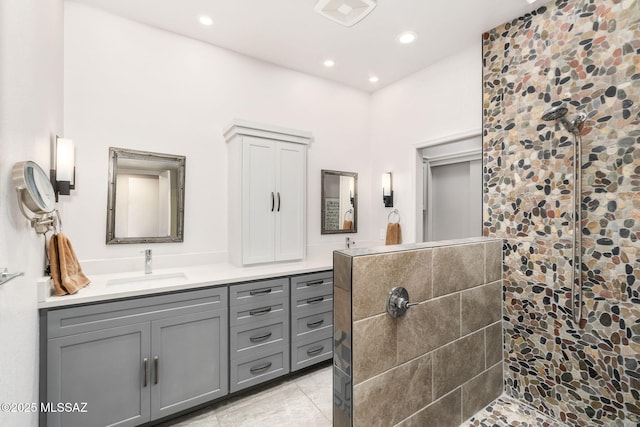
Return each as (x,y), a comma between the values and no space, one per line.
(329,63)
(407,37)
(530,1)
(205,20)
(374,79)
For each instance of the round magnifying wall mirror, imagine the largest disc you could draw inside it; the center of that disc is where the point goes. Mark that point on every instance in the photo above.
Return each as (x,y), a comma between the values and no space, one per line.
(36,191)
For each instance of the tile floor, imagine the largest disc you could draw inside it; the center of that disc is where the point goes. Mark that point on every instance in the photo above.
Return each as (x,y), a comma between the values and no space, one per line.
(301,400)
(306,400)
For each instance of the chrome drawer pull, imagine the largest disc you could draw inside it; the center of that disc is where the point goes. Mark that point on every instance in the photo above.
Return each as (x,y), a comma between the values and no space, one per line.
(315,350)
(315,282)
(260,292)
(260,311)
(145,364)
(259,338)
(315,324)
(315,300)
(260,368)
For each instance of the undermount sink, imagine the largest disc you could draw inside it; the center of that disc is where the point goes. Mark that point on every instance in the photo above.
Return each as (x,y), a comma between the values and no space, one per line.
(148,279)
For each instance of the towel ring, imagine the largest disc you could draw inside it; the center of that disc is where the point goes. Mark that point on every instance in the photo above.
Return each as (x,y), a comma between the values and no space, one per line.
(395,211)
(349,211)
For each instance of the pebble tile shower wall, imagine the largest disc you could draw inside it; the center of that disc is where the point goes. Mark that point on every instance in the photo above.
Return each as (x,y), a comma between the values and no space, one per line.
(585,53)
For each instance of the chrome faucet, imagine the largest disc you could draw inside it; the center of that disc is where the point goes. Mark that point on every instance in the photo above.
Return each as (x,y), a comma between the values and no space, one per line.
(147,261)
(349,242)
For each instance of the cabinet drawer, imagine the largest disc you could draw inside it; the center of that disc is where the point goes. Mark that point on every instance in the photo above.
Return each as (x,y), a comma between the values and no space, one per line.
(255,371)
(257,338)
(86,318)
(312,284)
(263,290)
(305,303)
(316,323)
(303,355)
(261,312)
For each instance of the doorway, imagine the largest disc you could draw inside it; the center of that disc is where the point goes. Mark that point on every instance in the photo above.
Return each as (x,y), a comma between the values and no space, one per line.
(452,189)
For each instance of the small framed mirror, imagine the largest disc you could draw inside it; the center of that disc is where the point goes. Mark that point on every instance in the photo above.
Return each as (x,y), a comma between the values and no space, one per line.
(145,201)
(339,202)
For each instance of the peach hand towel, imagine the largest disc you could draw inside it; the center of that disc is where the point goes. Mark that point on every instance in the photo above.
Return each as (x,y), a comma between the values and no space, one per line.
(347,225)
(66,272)
(394,236)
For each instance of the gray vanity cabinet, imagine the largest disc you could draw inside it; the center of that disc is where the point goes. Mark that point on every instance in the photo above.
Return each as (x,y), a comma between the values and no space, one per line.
(259,333)
(188,361)
(311,319)
(137,360)
(103,368)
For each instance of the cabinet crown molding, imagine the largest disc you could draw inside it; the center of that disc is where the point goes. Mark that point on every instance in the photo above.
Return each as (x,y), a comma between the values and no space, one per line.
(260,130)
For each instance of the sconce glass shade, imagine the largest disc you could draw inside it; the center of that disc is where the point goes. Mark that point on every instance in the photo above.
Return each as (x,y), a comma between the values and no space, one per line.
(65,160)
(386,184)
(387,190)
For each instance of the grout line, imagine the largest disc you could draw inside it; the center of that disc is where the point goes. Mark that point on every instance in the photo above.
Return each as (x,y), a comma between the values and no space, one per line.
(312,401)
(484,265)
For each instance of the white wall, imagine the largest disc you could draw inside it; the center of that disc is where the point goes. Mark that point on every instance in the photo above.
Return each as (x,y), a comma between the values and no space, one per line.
(441,100)
(30,114)
(133,86)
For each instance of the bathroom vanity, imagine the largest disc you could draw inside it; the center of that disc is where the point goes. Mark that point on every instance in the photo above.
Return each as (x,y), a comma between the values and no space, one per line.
(140,358)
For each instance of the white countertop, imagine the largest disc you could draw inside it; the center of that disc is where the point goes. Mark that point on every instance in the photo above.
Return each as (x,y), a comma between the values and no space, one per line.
(103,288)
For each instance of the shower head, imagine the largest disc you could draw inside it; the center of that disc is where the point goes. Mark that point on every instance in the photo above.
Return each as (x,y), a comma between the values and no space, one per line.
(555,113)
(558,113)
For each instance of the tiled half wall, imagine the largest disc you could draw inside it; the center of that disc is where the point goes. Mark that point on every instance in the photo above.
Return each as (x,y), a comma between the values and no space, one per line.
(586,54)
(442,360)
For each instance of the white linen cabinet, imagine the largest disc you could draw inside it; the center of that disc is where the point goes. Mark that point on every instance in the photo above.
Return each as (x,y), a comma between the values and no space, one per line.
(267,193)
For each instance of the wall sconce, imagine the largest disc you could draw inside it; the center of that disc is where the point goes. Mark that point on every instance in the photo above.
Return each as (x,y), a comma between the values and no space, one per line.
(387,190)
(63,172)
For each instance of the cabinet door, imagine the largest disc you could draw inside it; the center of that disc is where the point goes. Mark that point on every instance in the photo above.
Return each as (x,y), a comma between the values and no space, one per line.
(290,201)
(258,200)
(189,361)
(105,369)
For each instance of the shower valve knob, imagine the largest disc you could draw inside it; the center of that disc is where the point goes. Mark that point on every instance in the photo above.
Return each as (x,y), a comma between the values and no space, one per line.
(398,302)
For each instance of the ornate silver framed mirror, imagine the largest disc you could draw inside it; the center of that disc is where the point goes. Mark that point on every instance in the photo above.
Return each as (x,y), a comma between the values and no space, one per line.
(145,202)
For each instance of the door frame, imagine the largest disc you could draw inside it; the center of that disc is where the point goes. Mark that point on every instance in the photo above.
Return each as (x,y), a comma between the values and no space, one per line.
(419,173)
(441,160)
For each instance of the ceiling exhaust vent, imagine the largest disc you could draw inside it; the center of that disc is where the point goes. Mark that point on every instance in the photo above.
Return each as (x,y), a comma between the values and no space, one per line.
(345,12)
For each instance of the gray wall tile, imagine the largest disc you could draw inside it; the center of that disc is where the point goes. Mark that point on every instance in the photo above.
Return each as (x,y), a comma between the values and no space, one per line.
(457,363)
(457,267)
(342,271)
(493,343)
(427,326)
(394,395)
(375,275)
(480,391)
(444,412)
(493,261)
(481,306)
(374,346)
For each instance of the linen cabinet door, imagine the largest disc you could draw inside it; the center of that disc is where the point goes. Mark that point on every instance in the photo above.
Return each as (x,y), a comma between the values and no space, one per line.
(108,369)
(189,361)
(291,203)
(258,200)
